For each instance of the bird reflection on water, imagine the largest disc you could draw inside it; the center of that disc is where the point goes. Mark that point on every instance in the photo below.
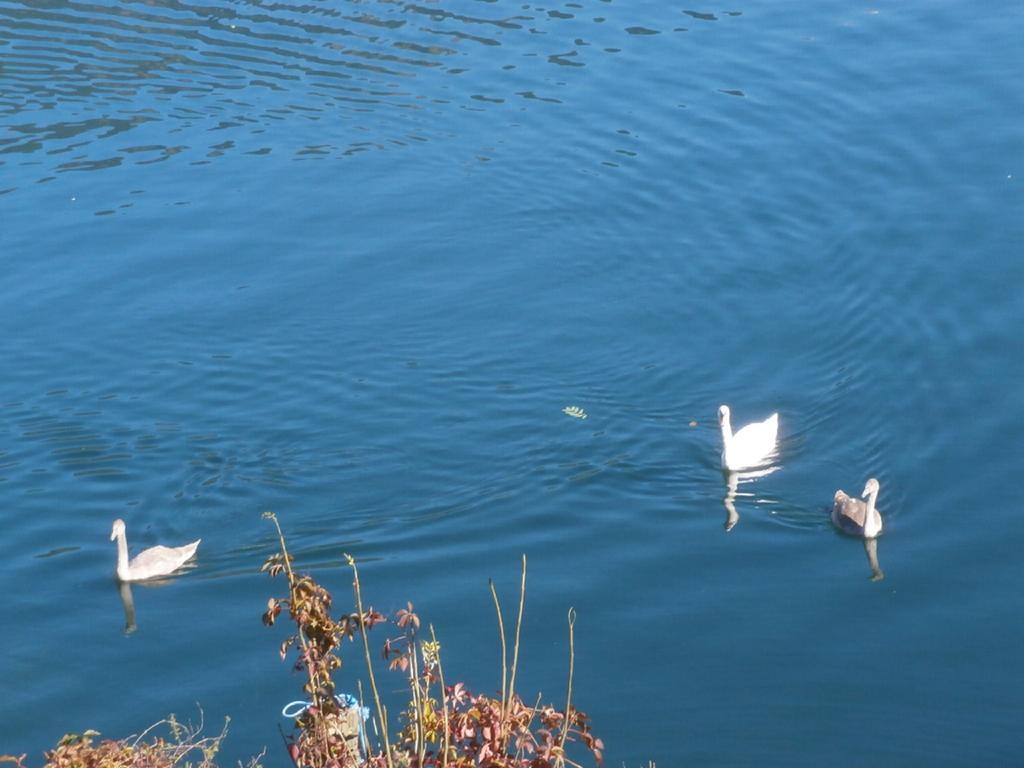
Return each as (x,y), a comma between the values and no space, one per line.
(732,482)
(125,591)
(871,550)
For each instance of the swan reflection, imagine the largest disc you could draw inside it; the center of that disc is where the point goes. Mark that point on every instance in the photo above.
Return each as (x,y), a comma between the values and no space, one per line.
(731,515)
(125,590)
(732,483)
(871,550)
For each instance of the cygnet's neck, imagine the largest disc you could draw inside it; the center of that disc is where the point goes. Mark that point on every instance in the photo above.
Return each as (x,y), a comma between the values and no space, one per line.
(122,556)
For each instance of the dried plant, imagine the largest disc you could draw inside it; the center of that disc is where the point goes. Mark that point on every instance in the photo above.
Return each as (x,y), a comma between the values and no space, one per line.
(323,741)
(464,729)
(183,746)
(442,725)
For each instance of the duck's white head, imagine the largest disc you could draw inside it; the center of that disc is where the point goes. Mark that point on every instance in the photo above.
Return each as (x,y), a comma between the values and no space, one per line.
(723,414)
(117,529)
(871,486)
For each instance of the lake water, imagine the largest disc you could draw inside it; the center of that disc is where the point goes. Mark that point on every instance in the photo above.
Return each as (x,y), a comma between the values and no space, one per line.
(349,261)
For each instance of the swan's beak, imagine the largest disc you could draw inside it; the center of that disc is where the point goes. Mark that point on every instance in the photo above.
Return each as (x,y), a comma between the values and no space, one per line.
(113,534)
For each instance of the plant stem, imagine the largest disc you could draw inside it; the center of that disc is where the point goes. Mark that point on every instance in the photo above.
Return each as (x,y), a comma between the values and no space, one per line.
(291,590)
(314,680)
(519,626)
(417,696)
(444,697)
(568,693)
(515,645)
(529,722)
(504,653)
(381,711)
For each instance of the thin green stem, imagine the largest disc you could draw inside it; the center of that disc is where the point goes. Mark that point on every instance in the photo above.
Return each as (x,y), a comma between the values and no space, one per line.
(568,692)
(515,648)
(504,653)
(382,712)
(519,626)
(417,696)
(444,697)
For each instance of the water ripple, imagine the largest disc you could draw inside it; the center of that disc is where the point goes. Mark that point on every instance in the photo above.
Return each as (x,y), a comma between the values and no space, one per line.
(80,76)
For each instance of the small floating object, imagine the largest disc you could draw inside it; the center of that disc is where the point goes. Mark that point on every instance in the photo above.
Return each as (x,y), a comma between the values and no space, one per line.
(150,563)
(575,411)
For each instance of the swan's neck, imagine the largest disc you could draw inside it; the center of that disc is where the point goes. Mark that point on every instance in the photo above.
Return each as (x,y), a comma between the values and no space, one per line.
(122,556)
(726,432)
(871,525)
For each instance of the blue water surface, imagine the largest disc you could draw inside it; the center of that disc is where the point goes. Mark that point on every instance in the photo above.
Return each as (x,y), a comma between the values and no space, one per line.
(349,261)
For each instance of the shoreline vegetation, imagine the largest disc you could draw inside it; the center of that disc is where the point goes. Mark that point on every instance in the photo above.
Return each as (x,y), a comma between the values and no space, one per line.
(441,726)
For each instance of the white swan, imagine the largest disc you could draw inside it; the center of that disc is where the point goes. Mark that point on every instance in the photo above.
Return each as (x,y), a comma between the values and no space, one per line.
(855,517)
(150,563)
(751,446)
